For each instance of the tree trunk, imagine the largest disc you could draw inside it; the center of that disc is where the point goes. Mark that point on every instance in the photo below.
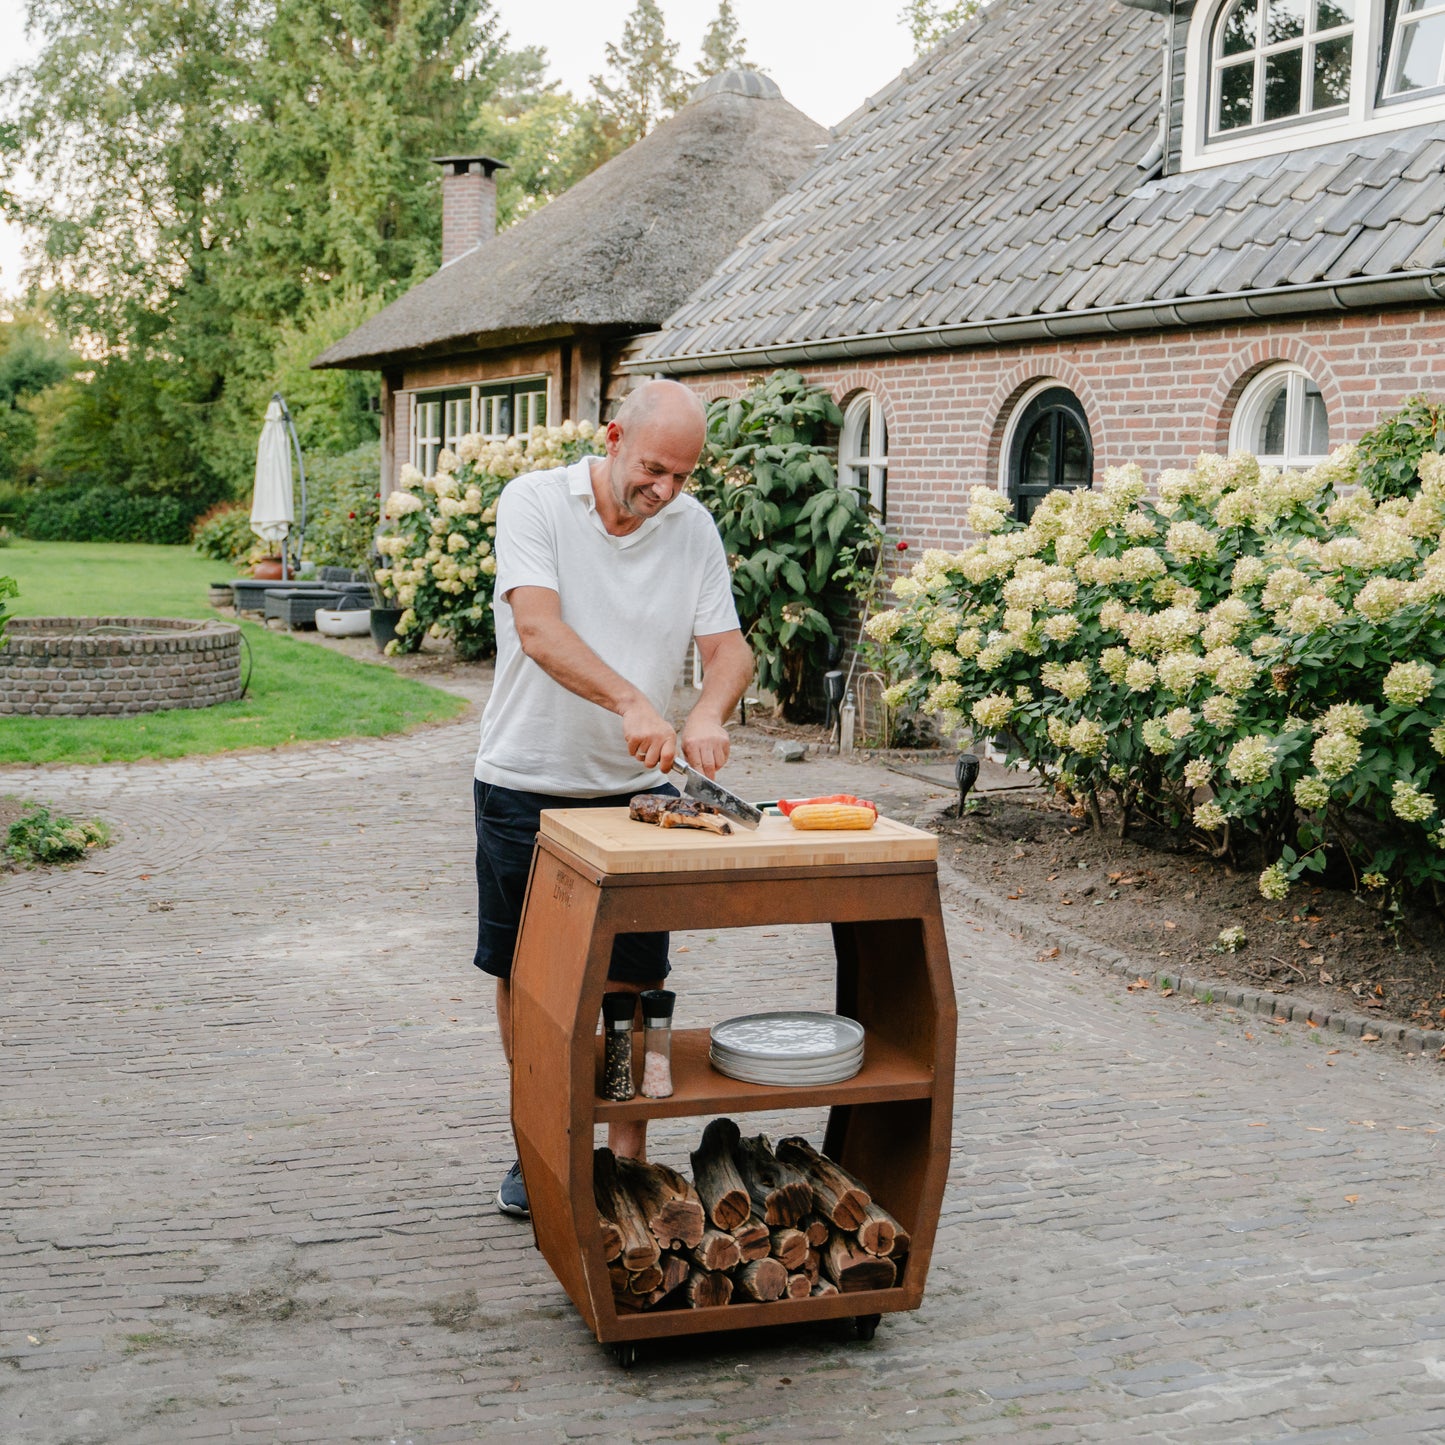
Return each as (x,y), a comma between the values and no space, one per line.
(763,1279)
(753,1239)
(706,1289)
(779,1192)
(716,1178)
(717,1250)
(668,1202)
(616,1204)
(853,1269)
(837,1195)
(789,1247)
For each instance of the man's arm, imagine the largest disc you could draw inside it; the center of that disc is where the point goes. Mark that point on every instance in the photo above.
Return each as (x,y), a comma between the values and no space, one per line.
(566,659)
(727,669)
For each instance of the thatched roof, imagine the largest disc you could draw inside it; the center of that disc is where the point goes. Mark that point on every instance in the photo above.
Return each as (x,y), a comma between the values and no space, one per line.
(622,248)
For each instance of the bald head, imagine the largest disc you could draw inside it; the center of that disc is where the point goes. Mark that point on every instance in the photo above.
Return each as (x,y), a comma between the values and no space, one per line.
(664,403)
(653,444)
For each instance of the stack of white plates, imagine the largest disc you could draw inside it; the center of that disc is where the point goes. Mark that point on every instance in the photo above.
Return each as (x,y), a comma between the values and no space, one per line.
(795,1047)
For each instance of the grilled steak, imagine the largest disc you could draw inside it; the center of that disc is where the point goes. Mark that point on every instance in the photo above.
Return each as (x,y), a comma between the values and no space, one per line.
(669,812)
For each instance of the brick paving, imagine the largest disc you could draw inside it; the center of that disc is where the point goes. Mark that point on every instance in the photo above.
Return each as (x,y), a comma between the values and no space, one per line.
(252,1114)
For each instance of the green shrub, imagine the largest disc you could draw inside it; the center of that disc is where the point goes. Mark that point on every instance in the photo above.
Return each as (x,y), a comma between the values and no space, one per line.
(1390,452)
(1253,659)
(342,506)
(15,502)
(224,533)
(443,576)
(793,535)
(39,836)
(8,588)
(106,514)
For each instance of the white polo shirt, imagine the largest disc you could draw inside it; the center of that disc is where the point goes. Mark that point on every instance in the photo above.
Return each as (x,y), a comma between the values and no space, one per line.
(636,601)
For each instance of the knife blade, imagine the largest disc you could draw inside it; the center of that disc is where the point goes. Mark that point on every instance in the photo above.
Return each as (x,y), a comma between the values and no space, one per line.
(702,789)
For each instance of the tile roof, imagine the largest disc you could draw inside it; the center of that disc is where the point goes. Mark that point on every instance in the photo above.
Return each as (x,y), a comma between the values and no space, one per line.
(999,178)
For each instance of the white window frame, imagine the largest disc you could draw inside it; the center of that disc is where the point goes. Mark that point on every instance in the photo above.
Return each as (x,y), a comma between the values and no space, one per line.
(424,448)
(1368,113)
(1244,425)
(484,407)
(868,472)
(1261,52)
(1402,21)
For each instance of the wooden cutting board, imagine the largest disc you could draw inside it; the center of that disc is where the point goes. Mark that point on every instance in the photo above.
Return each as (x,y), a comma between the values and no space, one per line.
(615,843)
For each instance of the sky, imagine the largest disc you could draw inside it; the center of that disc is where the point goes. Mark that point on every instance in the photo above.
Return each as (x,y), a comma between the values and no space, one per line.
(828,56)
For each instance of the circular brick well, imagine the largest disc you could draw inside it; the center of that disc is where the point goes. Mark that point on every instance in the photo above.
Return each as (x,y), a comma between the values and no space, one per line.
(113,666)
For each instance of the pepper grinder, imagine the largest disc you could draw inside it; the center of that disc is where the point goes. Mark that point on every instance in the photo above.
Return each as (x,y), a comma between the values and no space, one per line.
(618,1009)
(657,1006)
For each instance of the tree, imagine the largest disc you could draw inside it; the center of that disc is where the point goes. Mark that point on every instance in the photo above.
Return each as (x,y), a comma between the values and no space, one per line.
(649,84)
(928,24)
(548,139)
(723,48)
(337,195)
(220,177)
(32,358)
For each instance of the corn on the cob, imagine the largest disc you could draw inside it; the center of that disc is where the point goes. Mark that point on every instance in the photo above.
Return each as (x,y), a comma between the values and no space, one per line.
(831,815)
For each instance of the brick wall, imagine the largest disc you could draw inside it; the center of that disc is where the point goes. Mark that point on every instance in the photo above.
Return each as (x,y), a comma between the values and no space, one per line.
(1158,399)
(73,666)
(469,210)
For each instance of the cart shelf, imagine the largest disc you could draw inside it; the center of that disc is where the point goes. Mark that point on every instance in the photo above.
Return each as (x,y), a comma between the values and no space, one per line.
(595,874)
(887,1073)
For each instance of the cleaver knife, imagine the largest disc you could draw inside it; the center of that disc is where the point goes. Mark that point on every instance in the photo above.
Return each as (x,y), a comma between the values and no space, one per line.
(701,789)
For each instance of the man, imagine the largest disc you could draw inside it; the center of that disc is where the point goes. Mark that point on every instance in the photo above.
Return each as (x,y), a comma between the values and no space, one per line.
(605,573)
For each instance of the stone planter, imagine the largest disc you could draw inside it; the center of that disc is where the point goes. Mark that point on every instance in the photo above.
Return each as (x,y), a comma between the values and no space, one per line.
(117,666)
(219,594)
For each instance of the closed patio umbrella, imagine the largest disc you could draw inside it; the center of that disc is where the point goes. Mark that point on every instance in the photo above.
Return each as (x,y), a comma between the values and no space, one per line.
(273,509)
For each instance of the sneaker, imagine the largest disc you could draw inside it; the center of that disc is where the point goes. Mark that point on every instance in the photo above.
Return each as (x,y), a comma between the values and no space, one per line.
(512,1196)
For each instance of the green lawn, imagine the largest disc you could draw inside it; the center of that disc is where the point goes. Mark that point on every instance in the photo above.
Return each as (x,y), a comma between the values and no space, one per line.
(298,692)
(90,579)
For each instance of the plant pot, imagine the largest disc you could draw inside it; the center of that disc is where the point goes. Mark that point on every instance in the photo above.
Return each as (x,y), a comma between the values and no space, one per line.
(383,624)
(352,622)
(267,569)
(219,594)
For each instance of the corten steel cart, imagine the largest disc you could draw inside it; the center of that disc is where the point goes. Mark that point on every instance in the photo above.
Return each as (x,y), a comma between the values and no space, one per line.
(595,874)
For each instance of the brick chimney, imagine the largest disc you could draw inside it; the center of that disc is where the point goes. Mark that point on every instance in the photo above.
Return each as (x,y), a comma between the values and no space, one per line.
(469,203)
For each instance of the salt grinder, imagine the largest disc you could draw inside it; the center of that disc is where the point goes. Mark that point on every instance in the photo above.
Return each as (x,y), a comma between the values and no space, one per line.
(657,1043)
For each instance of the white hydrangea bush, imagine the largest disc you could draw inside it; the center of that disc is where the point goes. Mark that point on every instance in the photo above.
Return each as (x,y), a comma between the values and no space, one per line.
(1256,654)
(439,560)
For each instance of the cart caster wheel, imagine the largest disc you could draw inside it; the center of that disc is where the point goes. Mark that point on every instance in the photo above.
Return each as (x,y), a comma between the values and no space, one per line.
(625,1355)
(866,1325)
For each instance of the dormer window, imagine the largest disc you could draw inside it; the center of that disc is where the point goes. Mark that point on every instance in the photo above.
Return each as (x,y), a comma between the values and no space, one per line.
(1279,60)
(1263,77)
(1417,48)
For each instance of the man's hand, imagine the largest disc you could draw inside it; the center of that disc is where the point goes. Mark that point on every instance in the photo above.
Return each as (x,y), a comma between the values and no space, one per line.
(650,738)
(705,744)
(727,668)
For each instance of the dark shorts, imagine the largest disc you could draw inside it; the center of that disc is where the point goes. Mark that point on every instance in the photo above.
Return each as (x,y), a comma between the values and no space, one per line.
(507,822)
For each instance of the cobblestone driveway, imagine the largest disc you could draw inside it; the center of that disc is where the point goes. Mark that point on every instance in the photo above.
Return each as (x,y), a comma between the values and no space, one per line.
(254,1113)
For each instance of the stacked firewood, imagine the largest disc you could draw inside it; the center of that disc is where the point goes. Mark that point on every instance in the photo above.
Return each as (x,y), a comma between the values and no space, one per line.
(753,1224)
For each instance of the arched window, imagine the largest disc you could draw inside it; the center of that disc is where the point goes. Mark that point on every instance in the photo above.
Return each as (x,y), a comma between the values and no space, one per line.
(1049,447)
(1278,60)
(863,450)
(1281,418)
